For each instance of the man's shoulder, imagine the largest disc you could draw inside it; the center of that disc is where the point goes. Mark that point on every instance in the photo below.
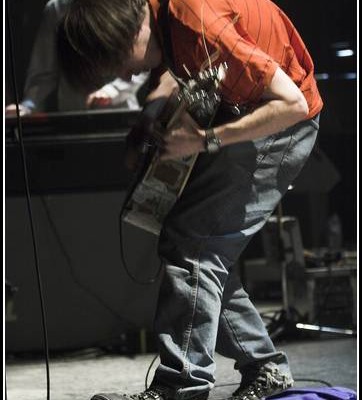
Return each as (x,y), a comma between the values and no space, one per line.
(189,11)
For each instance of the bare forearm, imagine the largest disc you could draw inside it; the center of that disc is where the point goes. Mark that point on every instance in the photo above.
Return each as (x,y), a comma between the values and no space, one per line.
(272,117)
(284,105)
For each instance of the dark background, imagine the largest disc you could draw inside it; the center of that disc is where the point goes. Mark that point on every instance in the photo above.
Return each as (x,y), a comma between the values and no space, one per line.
(78,188)
(322,24)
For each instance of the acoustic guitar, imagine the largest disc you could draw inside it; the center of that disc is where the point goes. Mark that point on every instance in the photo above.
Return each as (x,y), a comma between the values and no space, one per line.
(163,181)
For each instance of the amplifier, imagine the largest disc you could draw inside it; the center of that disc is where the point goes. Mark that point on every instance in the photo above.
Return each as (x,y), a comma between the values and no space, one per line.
(325,294)
(331,296)
(69,152)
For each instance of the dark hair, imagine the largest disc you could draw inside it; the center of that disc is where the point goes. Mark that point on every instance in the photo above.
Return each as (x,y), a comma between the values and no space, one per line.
(95,36)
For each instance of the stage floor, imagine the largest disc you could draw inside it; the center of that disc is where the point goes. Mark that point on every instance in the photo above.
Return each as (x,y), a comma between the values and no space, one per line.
(79,375)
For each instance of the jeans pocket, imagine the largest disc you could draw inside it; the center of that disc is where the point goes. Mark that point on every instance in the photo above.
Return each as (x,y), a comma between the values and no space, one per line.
(263,146)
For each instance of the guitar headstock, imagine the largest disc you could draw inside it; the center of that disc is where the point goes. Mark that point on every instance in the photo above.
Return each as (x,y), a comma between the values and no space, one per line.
(201,93)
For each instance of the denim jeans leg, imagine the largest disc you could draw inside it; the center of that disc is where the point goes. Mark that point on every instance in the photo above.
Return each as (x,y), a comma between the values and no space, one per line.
(242,335)
(229,197)
(248,342)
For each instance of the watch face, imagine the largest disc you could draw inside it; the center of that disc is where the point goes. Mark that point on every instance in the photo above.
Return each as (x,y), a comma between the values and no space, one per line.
(212,142)
(212,147)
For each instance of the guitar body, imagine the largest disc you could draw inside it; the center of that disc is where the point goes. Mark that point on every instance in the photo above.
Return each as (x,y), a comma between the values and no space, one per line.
(164,181)
(158,191)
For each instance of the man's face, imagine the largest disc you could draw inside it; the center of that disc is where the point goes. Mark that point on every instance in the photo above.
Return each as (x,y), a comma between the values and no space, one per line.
(146,54)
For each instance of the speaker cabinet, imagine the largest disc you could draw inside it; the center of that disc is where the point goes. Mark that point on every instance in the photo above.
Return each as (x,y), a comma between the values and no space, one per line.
(322,295)
(89,298)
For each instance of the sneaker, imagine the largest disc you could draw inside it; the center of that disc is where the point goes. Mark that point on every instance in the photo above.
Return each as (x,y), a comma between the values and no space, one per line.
(153,393)
(268,381)
(149,394)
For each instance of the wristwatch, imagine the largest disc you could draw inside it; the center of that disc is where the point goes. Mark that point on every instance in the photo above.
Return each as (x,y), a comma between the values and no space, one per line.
(212,141)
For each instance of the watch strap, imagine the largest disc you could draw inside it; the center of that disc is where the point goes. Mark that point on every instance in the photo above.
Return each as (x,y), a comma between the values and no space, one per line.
(212,141)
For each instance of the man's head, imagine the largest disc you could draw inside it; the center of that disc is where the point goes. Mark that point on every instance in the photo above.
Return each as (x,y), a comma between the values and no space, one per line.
(102,39)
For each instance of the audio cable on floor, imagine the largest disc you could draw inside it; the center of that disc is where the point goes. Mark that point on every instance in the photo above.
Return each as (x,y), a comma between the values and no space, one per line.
(297,379)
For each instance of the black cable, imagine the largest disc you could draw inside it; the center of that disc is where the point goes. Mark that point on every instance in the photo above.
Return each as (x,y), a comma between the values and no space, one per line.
(166,114)
(142,165)
(227,384)
(28,198)
(149,370)
(301,379)
(149,148)
(70,263)
(313,380)
(295,380)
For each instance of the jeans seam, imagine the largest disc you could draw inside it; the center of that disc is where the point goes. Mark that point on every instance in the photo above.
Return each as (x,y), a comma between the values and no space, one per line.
(242,347)
(292,142)
(286,150)
(188,331)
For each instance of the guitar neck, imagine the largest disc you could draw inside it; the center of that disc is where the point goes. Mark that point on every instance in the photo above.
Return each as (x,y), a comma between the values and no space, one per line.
(178,111)
(171,111)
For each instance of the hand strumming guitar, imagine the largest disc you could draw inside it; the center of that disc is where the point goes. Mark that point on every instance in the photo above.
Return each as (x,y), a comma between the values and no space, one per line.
(184,140)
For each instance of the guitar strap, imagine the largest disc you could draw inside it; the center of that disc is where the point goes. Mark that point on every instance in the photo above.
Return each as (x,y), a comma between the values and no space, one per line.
(163,23)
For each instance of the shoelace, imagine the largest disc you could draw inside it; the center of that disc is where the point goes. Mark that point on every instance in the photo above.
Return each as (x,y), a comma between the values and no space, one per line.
(269,378)
(154,394)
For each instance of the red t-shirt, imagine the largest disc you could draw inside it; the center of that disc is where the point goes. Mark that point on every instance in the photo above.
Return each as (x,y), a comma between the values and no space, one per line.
(253,37)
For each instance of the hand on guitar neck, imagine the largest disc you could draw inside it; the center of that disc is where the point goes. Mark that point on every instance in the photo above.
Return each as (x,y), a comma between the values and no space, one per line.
(149,126)
(168,119)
